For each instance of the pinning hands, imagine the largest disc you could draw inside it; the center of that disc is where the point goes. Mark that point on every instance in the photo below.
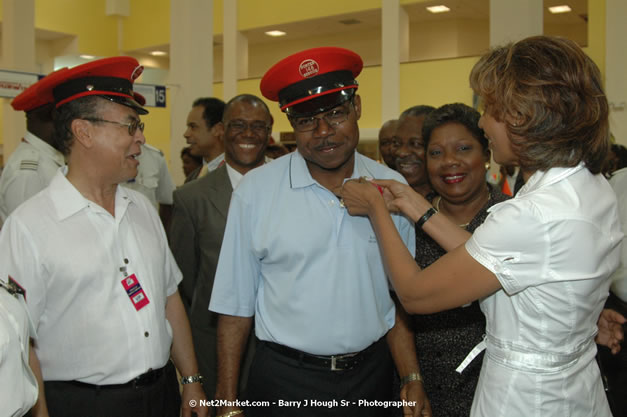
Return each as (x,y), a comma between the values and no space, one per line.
(402,198)
(359,196)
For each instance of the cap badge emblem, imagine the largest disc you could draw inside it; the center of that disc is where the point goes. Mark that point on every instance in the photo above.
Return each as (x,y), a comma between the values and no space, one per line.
(137,72)
(89,87)
(308,68)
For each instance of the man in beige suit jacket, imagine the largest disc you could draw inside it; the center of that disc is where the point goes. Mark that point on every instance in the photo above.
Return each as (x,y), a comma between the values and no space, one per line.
(199,219)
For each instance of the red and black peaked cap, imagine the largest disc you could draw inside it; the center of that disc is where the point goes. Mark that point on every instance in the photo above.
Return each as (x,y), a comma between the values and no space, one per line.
(312,81)
(109,78)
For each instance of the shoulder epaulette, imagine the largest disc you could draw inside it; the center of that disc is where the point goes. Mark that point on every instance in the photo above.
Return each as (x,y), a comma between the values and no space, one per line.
(28,164)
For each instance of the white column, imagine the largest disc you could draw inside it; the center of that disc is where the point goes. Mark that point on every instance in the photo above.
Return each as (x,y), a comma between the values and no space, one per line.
(191,67)
(120,9)
(615,64)
(512,20)
(403,35)
(234,51)
(18,53)
(394,49)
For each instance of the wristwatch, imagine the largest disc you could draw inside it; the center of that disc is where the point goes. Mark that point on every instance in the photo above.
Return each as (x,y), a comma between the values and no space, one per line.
(191,379)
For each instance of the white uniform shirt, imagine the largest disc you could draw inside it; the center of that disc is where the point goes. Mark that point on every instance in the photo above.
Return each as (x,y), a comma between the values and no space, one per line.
(28,170)
(18,386)
(553,248)
(68,253)
(153,178)
(619,278)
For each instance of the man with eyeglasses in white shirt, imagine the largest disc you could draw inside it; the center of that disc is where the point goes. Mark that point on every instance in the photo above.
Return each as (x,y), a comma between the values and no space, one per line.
(99,280)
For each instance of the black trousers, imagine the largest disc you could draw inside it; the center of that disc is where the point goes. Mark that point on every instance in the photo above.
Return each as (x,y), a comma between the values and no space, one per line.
(158,399)
(283,381)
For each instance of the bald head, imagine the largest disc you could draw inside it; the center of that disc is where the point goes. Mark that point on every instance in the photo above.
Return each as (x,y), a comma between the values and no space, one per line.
(386,142)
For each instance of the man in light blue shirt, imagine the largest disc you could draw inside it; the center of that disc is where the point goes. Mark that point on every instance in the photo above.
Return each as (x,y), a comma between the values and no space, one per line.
(310,274)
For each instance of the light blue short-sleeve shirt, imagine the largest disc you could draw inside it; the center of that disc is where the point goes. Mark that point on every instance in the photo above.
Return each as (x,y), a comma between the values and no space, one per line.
(310,273)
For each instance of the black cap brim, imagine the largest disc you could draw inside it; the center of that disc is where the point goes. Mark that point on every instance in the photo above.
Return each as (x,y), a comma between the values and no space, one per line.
(128,102)
(320,104)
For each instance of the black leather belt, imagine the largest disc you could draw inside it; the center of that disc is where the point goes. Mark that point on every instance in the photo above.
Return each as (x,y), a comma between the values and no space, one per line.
(334,362)
(144,380)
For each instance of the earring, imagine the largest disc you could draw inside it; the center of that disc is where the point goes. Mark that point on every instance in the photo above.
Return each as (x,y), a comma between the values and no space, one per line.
(487,166)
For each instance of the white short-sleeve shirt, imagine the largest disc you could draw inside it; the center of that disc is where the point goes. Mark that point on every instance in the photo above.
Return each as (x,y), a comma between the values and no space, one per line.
(70,255)
(619,278)
(553,248)
(28,170)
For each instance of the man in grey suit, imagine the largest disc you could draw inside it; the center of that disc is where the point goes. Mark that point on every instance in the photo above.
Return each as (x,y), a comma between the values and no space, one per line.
(199,219)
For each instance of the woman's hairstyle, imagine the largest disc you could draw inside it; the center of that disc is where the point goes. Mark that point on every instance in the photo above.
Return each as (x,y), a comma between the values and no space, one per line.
(454,113)
(548,93)
(620,154)
(616,159)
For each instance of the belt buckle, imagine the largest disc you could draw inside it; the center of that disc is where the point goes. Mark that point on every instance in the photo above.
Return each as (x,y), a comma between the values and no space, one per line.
(334,364)
(335,358)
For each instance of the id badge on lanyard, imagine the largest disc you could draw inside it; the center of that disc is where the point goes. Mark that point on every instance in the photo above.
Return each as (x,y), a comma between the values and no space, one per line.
(134,290)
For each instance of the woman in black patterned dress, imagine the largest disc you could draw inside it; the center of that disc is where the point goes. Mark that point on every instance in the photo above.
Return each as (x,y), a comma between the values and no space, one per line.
(457,158)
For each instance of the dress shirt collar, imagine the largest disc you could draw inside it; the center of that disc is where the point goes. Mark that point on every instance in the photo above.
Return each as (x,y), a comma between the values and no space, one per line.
(44,148)
(541,179)
(215,162)
(234,176)
(300,176)
(69,201)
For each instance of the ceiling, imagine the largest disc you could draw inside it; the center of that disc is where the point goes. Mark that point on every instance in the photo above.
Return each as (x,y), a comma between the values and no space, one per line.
(370,20)
(417,12)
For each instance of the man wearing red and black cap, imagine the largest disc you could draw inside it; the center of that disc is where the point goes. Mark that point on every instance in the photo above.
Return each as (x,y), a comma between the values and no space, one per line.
(36,159)
(100,281)
(309,273)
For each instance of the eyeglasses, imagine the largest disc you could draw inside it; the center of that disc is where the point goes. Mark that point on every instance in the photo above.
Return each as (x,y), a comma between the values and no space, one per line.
(132,126)
(239,126)
(333,118)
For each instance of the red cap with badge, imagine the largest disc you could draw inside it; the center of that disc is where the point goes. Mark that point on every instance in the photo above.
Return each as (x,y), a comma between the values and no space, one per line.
(109,78)
(313,81)
(38,94)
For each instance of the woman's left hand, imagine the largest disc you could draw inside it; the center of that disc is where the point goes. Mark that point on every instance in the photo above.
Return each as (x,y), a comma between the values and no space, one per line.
(360,196)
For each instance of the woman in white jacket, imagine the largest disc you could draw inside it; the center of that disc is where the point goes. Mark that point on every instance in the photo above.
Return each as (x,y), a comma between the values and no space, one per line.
(541,262)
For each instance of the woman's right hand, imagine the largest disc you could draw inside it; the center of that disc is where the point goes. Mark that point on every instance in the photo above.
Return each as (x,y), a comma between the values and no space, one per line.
(401,197)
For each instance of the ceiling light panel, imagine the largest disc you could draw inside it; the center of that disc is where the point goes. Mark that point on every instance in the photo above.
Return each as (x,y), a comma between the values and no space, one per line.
(560,9)
(438,9)
(275,33)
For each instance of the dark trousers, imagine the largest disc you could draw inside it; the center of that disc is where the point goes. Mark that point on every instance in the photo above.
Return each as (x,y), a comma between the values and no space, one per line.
(158,399)
(322,392)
